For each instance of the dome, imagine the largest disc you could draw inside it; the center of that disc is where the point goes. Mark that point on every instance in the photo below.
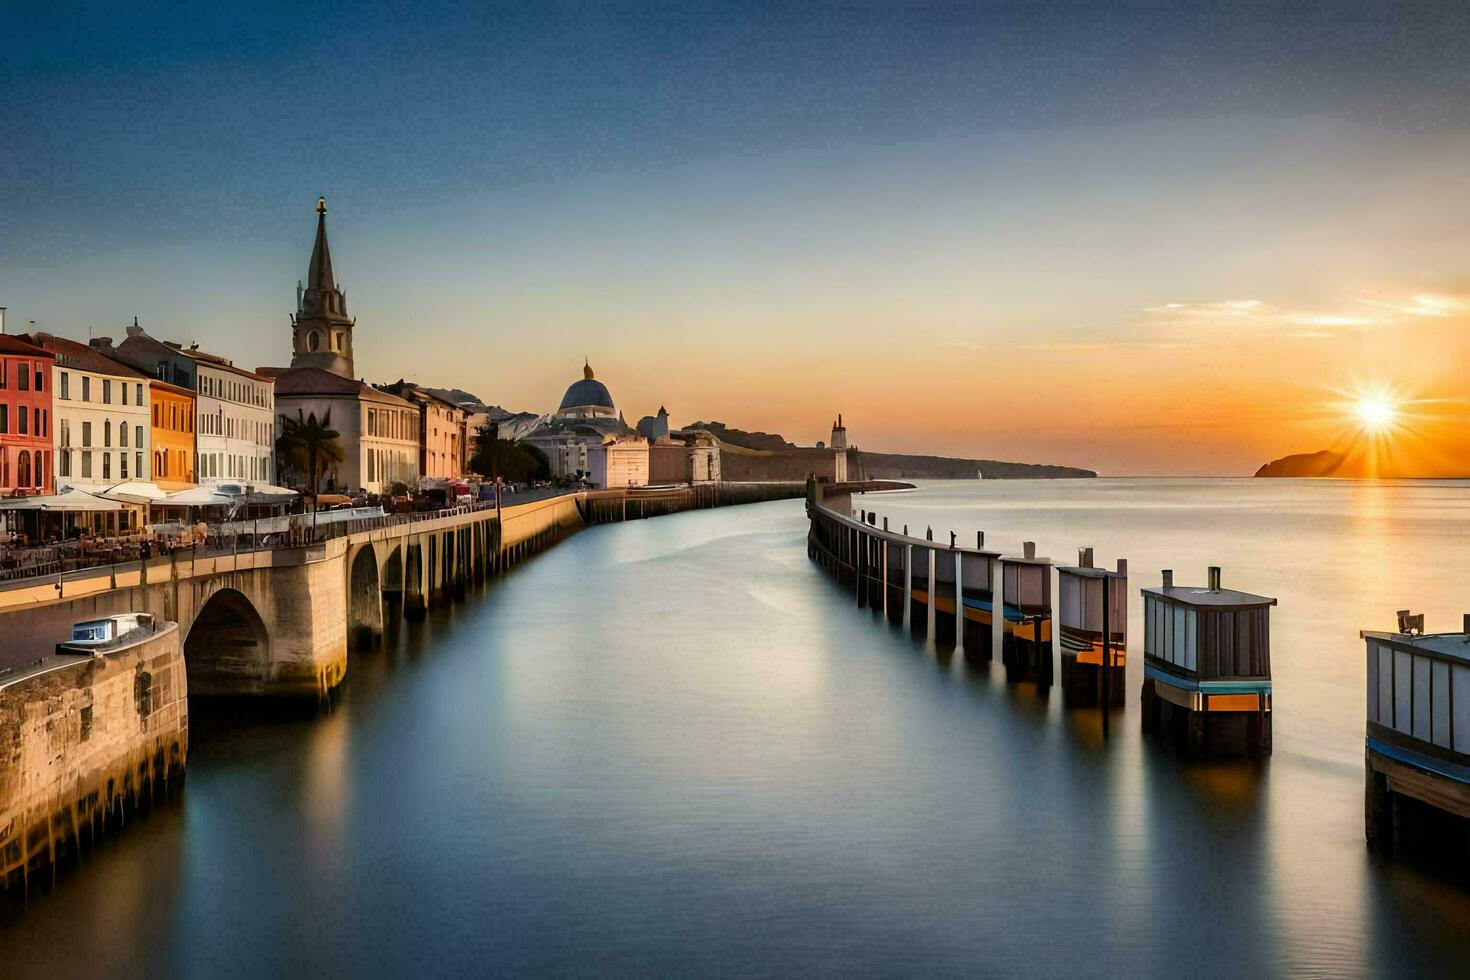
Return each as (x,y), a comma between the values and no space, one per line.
(587,393)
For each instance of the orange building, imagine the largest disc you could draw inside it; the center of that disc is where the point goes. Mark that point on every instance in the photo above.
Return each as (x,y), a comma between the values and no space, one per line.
(173,435)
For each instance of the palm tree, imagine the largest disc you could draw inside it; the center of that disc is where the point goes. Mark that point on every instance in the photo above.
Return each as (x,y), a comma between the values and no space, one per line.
(309,445)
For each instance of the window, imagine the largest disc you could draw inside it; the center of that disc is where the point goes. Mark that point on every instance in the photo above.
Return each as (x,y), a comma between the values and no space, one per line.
(122,466)
(156,408)
(138,465)
(86,388)
(124,387)
(4,419)
(20,417)
(4,369)
(122,434)
(107,432)
(23,373)
(86,463)
(107,466)
(64,460)
(65,386)
(45,422)
(23,469)
(40,383)
(138,392)
(86,434)
(65,432)
(106,391)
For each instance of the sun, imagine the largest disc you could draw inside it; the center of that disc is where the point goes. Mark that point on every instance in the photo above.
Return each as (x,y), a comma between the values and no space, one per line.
(1376,413)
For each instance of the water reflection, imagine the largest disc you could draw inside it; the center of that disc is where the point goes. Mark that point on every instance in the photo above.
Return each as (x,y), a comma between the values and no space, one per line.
(674,746)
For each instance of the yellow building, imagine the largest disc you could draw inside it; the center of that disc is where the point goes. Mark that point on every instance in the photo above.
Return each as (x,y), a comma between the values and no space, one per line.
(173,435)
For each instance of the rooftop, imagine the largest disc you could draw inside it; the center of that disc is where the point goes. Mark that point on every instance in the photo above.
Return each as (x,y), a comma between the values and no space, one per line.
(82,357)
(1456,645)
(1202,596)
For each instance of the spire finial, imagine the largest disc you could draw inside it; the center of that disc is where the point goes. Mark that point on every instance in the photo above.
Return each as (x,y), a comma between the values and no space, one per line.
(587,369)
(321,205)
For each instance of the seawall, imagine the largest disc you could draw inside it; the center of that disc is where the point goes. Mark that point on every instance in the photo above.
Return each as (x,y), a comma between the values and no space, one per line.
(85,741)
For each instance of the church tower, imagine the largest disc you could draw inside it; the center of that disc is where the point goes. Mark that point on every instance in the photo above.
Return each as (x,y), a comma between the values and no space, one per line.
(321,330)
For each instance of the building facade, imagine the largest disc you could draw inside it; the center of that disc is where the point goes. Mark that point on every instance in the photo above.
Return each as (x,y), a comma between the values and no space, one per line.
(621,461)
(444,431)
(25,419)
(234,409)
(378,432)
(235,432)
(173,413)
(100,419)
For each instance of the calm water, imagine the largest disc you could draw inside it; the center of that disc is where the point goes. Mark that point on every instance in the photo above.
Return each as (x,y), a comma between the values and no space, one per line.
(675,746)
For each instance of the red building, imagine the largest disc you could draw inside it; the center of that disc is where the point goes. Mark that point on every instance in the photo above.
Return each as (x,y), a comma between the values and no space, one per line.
(25,419)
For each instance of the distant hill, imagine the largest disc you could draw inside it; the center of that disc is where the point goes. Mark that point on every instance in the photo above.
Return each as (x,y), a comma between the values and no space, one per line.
(739,437)
(898,466)
(1324,463)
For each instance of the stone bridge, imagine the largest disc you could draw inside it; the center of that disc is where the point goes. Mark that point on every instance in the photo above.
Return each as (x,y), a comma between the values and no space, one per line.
(280,622)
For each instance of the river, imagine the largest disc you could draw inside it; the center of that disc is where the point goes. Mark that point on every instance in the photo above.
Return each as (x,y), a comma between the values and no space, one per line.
(676,746)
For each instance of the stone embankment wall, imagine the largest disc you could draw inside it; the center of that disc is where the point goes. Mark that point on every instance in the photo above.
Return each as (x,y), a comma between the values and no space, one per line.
(790,465)
(86,744)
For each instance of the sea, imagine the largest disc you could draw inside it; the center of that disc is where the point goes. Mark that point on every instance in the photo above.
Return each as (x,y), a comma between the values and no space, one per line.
(677,747)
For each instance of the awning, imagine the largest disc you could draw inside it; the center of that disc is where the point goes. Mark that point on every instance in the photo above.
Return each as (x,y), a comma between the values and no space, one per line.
(134,492)
(72,501)
(200,497)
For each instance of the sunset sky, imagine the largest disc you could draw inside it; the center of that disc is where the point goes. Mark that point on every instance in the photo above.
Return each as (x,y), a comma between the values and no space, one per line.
(1144,242)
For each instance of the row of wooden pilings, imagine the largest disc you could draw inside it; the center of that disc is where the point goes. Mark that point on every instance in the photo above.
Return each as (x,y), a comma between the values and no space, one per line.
(1207,679)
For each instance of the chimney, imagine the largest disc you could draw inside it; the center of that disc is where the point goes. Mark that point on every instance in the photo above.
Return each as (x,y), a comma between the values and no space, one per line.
(1028,549)
(980,539)
(885,523)
(1123,567)
(1084,557)
(100,343)
(1168,578)
(1214,578)
(2,320)
(928,534)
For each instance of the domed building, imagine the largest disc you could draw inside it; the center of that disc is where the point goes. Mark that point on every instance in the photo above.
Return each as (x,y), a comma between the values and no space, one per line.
(585,418)
(587,399)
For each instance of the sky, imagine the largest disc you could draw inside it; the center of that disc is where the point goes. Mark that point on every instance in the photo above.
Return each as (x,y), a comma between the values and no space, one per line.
(1176,241)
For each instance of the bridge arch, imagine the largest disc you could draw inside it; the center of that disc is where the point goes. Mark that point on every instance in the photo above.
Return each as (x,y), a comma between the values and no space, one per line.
(364,600)
(227,648)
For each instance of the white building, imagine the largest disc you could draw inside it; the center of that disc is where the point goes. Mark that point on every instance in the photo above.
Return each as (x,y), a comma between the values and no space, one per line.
(379,432)
(100,418)
(621,461)
(235,409)
(236,422)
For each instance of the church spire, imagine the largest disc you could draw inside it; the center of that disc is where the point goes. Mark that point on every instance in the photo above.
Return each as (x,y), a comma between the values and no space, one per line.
(319,273)
(322,331)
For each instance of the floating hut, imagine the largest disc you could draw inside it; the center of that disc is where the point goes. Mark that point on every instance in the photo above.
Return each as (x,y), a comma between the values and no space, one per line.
(1093,620)
(1026,643)
(1207,663)
(919,589)
(1418,735)
(977,597)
